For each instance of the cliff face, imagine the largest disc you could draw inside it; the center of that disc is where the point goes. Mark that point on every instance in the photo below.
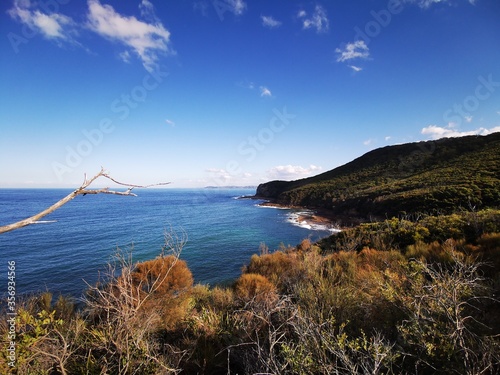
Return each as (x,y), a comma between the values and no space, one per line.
(442,175)
(271,189)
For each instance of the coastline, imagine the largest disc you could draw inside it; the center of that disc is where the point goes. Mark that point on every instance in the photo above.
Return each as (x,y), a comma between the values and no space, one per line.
(314,217)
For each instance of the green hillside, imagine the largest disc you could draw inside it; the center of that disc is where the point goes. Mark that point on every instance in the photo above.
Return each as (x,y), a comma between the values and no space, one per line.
(440,176)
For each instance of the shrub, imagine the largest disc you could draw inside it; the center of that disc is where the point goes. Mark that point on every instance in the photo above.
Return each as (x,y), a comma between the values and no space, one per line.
(282,269)
(251,286)
(168,281)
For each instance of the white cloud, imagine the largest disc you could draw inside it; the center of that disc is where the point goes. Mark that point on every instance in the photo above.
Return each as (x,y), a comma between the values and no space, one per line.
(170,122)
(388,138)
(318,20)
(368,142)
(355,68)
(246,84)
(264,91)
(125,56)
(145,39)
(436,132)
(468,118)
(269,21)
(237,7)
(148,11)
(292,172)
(428,3)
(355,50)
(53,26)
(219,174)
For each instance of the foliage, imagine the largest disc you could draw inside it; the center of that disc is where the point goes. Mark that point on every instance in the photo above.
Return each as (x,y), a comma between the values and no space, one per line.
(399,233)
(389,297)
(436,177)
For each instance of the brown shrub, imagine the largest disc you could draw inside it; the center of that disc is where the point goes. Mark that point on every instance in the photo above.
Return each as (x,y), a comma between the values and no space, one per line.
(169,281)
(251,286)
(282,269)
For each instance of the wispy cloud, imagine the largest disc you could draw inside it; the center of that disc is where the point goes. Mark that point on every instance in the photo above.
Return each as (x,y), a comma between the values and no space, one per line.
(170,122)
(318,20)
(246,84)
(237,7)
(54,26)
(355,68)
(291,172)
(269,21)
(428,3)
(436,132)
(125,56)
(147,40)
(355,50)
(264,91)
(148,11)
(219,174)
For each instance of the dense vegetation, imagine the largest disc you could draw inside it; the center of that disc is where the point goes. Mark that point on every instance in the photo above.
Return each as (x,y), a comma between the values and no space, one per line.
(415,292)
(392,297)
(432,177)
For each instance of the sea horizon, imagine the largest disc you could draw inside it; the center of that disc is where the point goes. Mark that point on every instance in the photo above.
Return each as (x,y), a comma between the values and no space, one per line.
(71,246)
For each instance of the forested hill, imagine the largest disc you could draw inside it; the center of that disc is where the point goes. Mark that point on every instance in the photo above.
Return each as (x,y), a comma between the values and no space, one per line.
(440,176)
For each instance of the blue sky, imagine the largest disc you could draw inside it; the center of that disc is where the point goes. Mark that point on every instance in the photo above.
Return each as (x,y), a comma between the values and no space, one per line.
(235,92)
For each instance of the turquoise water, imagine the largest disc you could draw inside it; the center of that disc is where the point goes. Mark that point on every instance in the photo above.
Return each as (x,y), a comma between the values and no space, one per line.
(73,244)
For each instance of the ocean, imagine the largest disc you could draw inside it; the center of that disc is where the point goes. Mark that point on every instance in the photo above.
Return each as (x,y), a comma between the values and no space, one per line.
(71,246)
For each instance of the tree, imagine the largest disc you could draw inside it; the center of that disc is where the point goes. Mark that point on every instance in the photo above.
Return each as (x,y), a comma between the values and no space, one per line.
(82,190)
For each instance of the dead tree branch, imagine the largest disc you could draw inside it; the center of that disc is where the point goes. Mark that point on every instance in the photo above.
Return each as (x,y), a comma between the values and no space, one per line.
(82,190)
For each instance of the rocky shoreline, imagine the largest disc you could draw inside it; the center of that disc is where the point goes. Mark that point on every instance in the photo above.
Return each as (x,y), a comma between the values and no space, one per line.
(315,216)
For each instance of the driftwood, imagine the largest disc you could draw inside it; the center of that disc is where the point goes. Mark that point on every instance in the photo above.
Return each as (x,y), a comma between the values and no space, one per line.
(82,190)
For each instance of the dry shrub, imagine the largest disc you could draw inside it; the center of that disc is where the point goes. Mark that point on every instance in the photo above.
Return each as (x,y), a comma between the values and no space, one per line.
(490,245)
(178,276)
(433,252)
(306,245)
(351,287)
(169,281)
(381,260)
(282,269)
(251,286)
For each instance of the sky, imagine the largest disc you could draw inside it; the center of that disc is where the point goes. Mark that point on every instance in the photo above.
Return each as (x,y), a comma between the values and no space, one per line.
(235,92)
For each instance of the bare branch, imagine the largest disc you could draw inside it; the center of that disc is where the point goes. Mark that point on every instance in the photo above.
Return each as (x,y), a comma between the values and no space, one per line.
(82,190)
